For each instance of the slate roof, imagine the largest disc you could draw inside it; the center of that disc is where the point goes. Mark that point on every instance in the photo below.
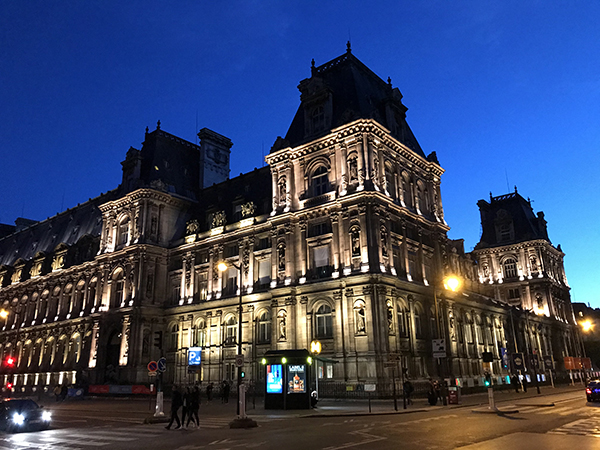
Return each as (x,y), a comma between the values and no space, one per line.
(505,208)
(67,228)
(356,93)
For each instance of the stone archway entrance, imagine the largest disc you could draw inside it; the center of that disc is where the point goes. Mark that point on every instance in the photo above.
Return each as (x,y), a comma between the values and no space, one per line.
(113,348)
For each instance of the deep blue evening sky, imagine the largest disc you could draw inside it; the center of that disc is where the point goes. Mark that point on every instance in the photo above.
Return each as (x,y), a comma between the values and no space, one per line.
(507,93)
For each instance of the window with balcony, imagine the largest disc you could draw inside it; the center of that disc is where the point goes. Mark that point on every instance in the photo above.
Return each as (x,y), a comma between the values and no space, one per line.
(320,181)
(230,331)
(510,268)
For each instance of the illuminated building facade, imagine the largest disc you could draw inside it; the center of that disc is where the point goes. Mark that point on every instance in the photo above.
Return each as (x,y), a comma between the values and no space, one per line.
(341,238)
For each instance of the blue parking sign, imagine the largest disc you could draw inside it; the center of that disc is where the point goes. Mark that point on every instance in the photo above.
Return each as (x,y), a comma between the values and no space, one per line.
(194,356)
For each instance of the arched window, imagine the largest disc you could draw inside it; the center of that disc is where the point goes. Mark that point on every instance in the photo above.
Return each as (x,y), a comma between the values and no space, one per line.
(324,322)
(77,303)
(199,334)
(320,181)
(230,331)
(407,190)
(402,312)
(124,231)
(174,337)
(418,315)
(264,327)
(468,329)
(118,287)
(390,181)
(510,268)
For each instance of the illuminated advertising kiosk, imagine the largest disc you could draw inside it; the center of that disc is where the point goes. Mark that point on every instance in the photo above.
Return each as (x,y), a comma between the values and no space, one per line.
(287,378)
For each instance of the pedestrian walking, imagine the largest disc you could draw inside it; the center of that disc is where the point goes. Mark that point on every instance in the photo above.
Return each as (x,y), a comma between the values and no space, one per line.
(524,383)
(64,390)
(176,401)
(432,397)
(408,389)
(57,392)
(515,382)
(185,406)
(225,392)
(194,406)
(209,391)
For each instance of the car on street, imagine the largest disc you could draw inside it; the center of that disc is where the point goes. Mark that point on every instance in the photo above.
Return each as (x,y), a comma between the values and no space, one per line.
(592,391)
(23,414)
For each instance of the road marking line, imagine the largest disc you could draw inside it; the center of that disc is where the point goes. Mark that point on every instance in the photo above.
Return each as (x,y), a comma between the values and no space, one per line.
(370,439)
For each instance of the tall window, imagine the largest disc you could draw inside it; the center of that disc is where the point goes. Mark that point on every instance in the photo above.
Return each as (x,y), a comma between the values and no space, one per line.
(199,335)
(124,231)
(510,268)
(418,323)
(324,322)
(321,256)
(230,331)
(264,327)
(264,272)
(320,182)
(174,337)
(318,119)
(402,320)
(231,281)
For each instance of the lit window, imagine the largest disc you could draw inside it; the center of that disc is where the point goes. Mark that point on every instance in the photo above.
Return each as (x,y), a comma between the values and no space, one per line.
(324,322)
(510,268)
(320,181)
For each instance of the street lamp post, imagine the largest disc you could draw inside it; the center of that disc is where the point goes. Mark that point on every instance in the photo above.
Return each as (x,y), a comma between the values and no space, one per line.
(242,420)
(451,283)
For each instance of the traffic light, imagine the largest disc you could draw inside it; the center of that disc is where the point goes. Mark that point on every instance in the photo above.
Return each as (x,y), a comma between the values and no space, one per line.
(9,386)
(488,379)
(158,340)
(243,374)
(10,362)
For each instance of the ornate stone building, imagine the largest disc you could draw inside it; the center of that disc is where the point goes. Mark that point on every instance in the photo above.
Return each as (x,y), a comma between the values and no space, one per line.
(341,238)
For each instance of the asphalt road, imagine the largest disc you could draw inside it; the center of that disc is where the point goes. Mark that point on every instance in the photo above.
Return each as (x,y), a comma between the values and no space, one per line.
(570,423)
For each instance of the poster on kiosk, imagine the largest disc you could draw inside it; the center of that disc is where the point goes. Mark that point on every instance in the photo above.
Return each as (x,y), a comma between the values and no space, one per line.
(287,379)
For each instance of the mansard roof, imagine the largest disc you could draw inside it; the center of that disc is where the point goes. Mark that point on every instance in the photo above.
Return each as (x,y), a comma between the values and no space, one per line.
(254,186)
(515,212)
(67,228)
(349,90)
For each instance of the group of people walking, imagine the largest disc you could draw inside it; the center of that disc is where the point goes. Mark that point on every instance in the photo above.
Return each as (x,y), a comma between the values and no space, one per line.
(189,400)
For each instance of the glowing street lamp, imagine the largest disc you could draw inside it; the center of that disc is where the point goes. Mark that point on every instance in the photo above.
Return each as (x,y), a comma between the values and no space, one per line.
(241,410)
(586,325)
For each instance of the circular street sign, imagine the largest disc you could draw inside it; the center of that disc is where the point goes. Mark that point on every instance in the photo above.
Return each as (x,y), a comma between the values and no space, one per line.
(162,364)
(152,366)
(239,360)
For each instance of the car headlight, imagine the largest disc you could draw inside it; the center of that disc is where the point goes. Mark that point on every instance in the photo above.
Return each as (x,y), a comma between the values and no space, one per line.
(18,418)
(46,416)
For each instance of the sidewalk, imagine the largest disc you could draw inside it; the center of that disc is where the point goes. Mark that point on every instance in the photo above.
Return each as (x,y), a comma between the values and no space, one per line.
(144,407)
(345,407)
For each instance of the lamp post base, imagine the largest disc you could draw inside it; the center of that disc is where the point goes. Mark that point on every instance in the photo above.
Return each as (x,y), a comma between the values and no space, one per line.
(245,422)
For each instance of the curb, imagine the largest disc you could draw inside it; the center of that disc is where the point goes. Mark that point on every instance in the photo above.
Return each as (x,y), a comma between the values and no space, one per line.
(159,419)
(495,411)
(361,413)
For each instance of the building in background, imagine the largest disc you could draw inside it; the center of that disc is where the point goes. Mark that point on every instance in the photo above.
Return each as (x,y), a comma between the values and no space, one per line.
(341,238)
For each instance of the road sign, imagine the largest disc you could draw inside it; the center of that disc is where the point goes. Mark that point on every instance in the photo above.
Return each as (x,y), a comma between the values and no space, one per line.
(152,366)
(162,364)
(151,374)
(548,362)
(518,362)
(370,387)
(194,355)
(439,348)
(239,360)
